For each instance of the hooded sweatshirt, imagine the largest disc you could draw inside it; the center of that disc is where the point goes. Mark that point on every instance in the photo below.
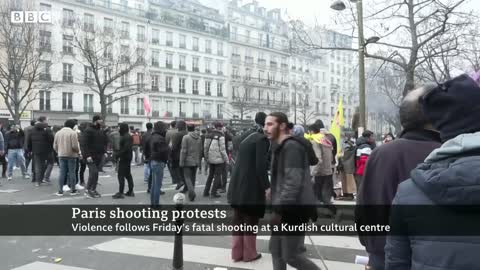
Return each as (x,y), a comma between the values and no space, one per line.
(450,176)
(157,149)
(191,150)
(125,144)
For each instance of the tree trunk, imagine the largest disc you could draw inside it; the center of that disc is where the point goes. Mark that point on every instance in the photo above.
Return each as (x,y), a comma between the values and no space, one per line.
(16,115)
(410,81)
(103,107)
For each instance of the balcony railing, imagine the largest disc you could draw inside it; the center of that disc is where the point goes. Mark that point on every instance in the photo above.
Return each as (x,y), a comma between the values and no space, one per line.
(168,65)
(169,90)
(208,71)
(182,114)
(155,114)
(284,66)
(219,72)
(67,78)
(195,92)
(262,62)
(155,64)
(195,69)
(182,67)
(182,45)
(208,50)
(182,90)
(45,46)
(155,41)
(195,48)
(236,77)
(155,88)
(195,115)
(273,64)
(249,60)
(168,114)
(45,77)
(124,34)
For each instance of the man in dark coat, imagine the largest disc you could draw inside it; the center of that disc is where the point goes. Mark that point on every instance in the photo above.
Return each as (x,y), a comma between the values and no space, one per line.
(176,146)
(28,155)
(246,192)
(390,164)
(40,143)
(124,157)
(448,177)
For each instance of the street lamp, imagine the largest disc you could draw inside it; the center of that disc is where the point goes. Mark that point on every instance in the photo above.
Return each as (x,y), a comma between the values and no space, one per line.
(339,5)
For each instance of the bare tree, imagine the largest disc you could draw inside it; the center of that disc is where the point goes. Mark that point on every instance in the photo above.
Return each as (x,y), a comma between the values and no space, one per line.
(19,62)
(405,29)
(304,109)
(241,103)
(103,52)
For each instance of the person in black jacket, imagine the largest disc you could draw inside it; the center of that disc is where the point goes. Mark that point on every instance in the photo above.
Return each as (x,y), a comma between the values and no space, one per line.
(157,150)
(246,192)
(40,143)
(176,145)
(14,147)
(93,150)
(124,156)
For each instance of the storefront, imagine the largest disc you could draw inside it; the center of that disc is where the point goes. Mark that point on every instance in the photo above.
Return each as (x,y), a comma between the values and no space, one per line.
(56,118)
(6,118)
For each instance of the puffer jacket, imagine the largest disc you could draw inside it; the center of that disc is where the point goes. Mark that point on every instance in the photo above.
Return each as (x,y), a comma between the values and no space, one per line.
(450,176)
(214,148)
(40,139)
(323,151)
(191,151)
(291,185)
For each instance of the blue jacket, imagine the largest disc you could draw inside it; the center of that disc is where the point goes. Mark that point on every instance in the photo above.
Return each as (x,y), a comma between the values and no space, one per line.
(450,175)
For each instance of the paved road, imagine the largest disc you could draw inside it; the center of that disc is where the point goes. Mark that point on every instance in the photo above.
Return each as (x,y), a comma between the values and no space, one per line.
(139,253)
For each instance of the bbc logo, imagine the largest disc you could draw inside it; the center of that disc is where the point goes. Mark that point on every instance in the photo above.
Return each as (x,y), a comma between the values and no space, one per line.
(31,17)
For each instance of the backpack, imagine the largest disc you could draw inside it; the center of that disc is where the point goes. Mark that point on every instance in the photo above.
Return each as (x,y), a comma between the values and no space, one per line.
(216,137)
(136,139)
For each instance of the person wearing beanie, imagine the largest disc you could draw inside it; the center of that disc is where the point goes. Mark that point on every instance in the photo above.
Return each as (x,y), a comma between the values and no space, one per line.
(93,149)
(449,176)
(66,145)
(298,130)
(391,164)
(248,184)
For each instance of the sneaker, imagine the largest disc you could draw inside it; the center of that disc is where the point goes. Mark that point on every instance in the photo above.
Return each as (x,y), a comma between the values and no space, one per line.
(118,195)
(97,195)
(27,176)
(79,187)
(9,178)
(90,194)
(37,184)
(66,188)
(59,194)
(130,194)
(74,193)
(214,195)
(162,192)
(179,185)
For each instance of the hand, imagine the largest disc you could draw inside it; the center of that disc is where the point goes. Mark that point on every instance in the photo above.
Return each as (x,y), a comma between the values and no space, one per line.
(89,159)
(268,194)
(276,219)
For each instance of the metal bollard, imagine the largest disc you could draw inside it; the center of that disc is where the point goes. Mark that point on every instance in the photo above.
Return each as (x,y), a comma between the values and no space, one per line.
(177,264)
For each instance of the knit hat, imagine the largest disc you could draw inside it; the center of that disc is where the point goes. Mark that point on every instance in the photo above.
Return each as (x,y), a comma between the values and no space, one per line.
(96,117)
(453,107)
(298,130)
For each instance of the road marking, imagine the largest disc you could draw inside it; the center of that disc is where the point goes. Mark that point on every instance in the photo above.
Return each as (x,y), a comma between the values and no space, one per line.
(48,266)
(198,254)
(329,241)
(9,190)
(81,196)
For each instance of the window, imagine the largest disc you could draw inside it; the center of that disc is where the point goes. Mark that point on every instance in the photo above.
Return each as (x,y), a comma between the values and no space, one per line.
(317,92)
(181,85)
(183,61)
(208,64)
(45,100)
(140,55)
(195,64)
(261,75)
(220,67)
(195,109)
(109,104)
(124,80)
(67,101)
(68,18)
(208,46)
(234,33)
(169,107)
(169,41)
(45,7)
(107,52)
(87,74)
(67,73)
(67,44)
(220,111)
(87,103)
(168,84)
(125,53)
(247,36)
(107,25)
(195,87)
(169,60)
(88,22)
(124,105)
(107,74)
(195,44)
(140,33)
(207,111)
(125,32)
(323,77)
(260,39)
(324,91)
(45,38)
(155,58)
(140,109)
(45,70)
(219,48)
(183,41)
(155,36)
(154,79)
(248,74)
(219,90)
(155,107)
(207,88)
(181,109)
(140,81)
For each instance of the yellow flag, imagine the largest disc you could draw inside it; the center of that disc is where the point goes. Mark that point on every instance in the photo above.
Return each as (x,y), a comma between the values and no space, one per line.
(337,124)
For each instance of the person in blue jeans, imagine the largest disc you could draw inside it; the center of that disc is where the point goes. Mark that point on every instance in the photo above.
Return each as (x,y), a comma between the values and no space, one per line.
(14,145)
(157,149)
(66,145)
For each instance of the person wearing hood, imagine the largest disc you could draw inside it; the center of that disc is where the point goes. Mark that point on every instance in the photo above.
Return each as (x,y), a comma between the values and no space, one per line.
(449,176)
(40,144)
(124,157)
(28,155)
(93,150)
(157,150)
(176,146)
(14,140)
(390,164)
(363,150)
(246,192)
(190,156)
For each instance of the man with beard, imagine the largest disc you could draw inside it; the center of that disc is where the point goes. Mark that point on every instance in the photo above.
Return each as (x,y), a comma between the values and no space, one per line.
(93,149)
(291,194)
